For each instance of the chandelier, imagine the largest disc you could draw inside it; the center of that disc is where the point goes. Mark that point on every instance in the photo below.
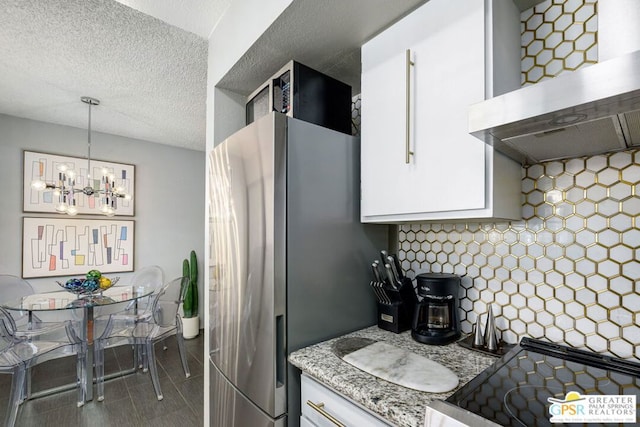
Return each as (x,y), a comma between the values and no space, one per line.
(65,188)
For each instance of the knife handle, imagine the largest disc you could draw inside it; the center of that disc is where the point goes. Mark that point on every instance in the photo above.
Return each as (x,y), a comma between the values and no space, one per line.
(383,291)
(383,256)
(392,278)
(394,268)
(374,286)
(379,290)
(376,273)
(396,262)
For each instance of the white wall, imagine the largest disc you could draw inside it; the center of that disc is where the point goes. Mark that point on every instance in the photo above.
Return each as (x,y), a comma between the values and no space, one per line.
(239,28)
(169,194)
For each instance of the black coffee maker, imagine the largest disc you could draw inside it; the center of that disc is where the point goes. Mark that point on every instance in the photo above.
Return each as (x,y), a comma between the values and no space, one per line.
(436,319)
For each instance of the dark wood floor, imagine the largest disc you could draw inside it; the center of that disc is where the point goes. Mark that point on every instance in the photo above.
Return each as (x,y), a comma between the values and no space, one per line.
(129,400)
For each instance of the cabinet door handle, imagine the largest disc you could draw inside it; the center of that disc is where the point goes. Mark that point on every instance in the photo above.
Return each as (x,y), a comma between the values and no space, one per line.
(408,152)
(320,408)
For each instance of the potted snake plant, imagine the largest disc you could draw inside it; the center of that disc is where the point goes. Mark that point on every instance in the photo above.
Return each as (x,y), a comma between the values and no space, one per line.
(190,318)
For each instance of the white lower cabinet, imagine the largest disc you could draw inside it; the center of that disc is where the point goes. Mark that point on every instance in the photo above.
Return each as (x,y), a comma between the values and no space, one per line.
(323,407)
(305,422)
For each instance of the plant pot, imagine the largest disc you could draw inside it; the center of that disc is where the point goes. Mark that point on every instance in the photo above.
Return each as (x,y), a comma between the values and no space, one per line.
(190,327)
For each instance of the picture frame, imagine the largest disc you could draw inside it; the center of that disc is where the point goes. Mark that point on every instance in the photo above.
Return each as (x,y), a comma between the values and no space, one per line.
(72,246)
(44,166)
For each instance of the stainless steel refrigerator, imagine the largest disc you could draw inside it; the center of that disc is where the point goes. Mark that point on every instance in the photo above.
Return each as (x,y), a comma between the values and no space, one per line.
(289,262)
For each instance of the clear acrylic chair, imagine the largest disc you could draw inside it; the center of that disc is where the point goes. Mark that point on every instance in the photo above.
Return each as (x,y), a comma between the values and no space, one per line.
(145,333)
(27,324)
(140,309)
(19,354)
(152,276)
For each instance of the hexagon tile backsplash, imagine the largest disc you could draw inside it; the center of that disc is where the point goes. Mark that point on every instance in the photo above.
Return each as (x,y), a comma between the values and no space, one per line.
(558,36)
(569,272)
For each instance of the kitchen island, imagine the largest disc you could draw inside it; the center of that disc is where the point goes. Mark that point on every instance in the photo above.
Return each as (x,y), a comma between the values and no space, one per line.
(393,403)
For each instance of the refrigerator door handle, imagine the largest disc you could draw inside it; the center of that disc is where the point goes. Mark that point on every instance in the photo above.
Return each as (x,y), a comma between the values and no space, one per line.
(280,352)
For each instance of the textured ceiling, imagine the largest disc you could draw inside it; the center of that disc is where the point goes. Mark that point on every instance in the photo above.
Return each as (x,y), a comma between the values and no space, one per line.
(146,60)
(150,76)
(197,16)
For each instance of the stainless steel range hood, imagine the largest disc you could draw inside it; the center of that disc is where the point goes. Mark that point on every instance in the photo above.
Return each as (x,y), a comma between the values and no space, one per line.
(593,110)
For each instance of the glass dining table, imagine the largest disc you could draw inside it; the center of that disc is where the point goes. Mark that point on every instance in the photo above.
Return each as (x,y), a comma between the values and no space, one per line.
(64,300)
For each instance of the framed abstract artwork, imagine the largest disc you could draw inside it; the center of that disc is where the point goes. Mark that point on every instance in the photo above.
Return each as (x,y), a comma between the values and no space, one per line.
(49,169)
(67,247)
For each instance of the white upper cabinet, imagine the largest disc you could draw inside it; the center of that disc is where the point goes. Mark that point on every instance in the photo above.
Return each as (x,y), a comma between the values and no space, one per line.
(418,160)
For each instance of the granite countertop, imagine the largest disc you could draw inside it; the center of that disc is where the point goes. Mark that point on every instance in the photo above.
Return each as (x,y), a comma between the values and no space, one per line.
(396,404)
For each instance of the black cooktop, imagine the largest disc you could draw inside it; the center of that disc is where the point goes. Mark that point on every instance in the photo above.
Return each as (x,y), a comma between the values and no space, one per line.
(514,391)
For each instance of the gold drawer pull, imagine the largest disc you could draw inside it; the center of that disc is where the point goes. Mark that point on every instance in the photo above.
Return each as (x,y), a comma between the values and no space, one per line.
(319,407)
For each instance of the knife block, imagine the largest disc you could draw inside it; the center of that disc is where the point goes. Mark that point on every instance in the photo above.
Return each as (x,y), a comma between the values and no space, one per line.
(397,315)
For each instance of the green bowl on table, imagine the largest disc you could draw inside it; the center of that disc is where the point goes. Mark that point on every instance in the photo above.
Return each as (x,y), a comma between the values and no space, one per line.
(93,283)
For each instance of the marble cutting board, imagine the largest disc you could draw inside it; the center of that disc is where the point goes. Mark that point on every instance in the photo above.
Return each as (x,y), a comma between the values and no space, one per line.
(396,365)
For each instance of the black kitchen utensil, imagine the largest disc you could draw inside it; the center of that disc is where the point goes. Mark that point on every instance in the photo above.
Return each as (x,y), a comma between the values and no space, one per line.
(395,294)
(395,305)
